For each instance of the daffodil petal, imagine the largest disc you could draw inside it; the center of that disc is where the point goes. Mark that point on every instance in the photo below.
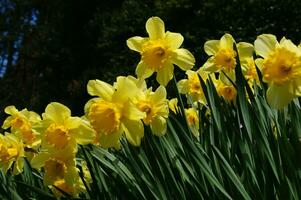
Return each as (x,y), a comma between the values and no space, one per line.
(143,71)
(134,131)
(11,110)
(125,89)
(211,47)
(159,94)
(158,126)
(174,40)
(165,74)
(56,112)
(210,66)
(83,134)
(18,166)
(111,140)
(101,89)
(73,122)
(135,43)
(7,122)
(130,111)
(155,28)
(245,50)
(38,161)
(71,175)
(183,86)
(226,41)
(183,59)
(279,96)
(259,62)
(264,44)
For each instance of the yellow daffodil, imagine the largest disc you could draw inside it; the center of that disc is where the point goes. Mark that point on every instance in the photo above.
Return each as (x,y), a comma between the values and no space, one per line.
(280,66)
(59,130)
(173,105)
(57,165)
(112,113)
(155,107)
(160,51)
(21,123)
(71,189)
(245,52)
(11,153)
(192,85)
(223,56)
(193,121)
(226,90)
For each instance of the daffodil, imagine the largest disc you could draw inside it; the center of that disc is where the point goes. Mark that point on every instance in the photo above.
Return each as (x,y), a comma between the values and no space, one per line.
(112,113)
(58,165)
(193,121)
(59,130)
(226,90)
(173,105)
(192,85)
(11,153)
(280,66)
(72,190)
(160,51)
(222,55)
(245,52)
(21,123)
(155,107)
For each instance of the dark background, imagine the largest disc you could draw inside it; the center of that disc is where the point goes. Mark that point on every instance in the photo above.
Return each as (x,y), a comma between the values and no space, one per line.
(50,49)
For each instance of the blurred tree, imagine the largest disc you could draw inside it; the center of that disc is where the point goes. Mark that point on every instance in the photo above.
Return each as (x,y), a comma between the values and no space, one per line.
(50,49)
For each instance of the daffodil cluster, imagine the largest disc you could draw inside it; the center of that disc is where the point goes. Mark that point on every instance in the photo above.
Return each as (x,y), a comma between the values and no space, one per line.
(123,109)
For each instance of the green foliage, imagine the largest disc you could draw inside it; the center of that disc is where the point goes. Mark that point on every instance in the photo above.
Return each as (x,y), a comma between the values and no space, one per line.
(245,151)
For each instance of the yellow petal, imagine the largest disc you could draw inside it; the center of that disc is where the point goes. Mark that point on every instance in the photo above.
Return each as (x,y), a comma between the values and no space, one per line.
(210,66)
(202,73)
(259,62)
(211,47)
(174,40)
(111,140)
(143,71)
(141,84)
(134,131)
(84,134)
(101,89)
(173,105)
(125,89)
(226,41)
(130,111)
(159,94)
(38,161)
(279,96)
(155,28)
(264,44)
(56,112)
(183,86)
(135,43)
(165,74)
(158,126)
(7,122)
(11,110)
(72,175)
(183,59)
(288,44)
(72,122)
(18,166)
(245,50)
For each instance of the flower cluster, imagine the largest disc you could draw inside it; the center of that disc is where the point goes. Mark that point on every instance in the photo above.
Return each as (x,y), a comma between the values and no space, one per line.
(123,109)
